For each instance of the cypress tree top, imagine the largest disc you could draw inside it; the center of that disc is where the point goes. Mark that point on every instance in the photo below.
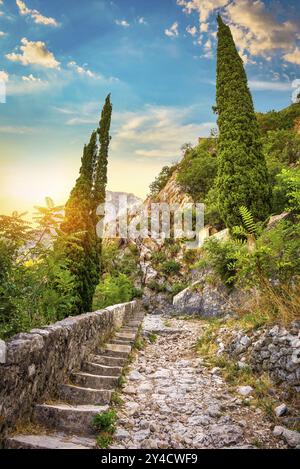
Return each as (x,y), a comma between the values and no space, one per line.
(242,172)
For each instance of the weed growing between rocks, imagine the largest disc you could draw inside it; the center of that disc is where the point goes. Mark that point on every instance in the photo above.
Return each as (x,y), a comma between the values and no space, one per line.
(105,424)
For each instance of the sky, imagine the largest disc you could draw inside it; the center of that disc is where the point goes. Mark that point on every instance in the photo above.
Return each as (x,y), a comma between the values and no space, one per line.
(157,58)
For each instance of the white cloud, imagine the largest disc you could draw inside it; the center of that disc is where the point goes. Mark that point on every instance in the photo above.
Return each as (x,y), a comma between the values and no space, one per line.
(192,30)
(37,17)
(204,27)
(123,23)
(82,71)
(2,34)
(142,20)
(203,7)
(269,85)
(31,78)
(157,132)
(7,129)
(4,76)
(172,31)
(34,53)
(293,57)
(255,29)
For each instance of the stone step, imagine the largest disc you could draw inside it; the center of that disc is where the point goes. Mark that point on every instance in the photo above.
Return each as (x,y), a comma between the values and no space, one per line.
(101,370)
(85,396)
(88,380)
(132,330)
(52,441)
(125,336)
(76,418)
(122,342)
(108,360)
(115,350)
(133,324)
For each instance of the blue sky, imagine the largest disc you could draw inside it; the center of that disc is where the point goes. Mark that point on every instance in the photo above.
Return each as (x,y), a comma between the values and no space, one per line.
(59,59)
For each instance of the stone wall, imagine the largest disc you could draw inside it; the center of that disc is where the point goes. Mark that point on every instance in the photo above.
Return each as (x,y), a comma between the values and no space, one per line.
(34,364)
(275,350)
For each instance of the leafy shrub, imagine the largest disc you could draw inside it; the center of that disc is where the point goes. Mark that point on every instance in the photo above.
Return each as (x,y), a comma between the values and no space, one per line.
(158,257)
(105,421)
(282,145)
(157,287)
(190,256)
(222,257)
(36,285)
(170,267)
(198,169)
(113,290)
(277,120)
(178,287)
(161,180)
(286,191)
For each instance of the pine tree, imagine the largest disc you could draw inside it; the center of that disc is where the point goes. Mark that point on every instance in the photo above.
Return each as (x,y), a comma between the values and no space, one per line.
(242,172)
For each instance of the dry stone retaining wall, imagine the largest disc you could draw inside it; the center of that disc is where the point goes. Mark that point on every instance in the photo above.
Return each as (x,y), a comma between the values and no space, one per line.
(273,350)
(34,364)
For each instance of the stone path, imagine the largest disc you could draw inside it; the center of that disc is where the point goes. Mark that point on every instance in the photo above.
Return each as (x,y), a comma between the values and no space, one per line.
(171,400)
(66,422)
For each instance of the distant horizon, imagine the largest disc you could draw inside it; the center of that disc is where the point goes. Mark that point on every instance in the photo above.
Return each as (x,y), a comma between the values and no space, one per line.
(157,60)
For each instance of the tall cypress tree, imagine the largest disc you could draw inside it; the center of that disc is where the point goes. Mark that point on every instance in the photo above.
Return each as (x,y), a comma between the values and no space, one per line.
(242,172)
(101,167)
(78,223)
(83,247)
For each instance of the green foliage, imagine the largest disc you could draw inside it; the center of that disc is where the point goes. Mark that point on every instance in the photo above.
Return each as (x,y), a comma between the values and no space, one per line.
(152,338)
(105,421)
(157,287)
(279,120)
(105,424)
(288,186)
(170,267)
(178,287)
(222,257)
(113,290)
(242,172)
(198,169)
(212,212)
(276,256)
(84,253)
(81,254)
(282,145)
(161,180)
(36,287)
(158,257)
(116,260)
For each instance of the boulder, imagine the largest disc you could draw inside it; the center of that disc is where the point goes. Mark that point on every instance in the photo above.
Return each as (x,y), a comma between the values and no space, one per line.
(203,299)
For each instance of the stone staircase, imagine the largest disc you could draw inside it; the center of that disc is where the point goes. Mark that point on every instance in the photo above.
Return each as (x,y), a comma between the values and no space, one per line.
(66,423)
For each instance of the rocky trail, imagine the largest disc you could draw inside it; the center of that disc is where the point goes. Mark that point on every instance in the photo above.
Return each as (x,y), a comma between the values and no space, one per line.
(172,400)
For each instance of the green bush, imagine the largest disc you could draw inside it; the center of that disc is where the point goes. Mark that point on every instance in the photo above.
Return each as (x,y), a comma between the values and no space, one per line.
(282,145)
(178,287)
(105,421)
(222,257)
(170,267)
(161,180)
(113,290)
(158,257)
(36,286)
(157,287)
(198,170)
